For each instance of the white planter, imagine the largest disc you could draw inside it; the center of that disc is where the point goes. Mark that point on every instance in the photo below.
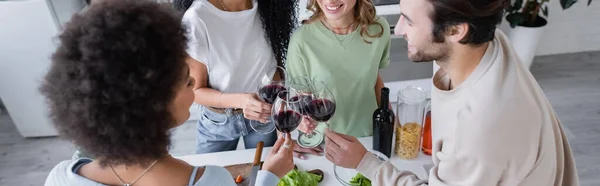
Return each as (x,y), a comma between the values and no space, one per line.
(525,41)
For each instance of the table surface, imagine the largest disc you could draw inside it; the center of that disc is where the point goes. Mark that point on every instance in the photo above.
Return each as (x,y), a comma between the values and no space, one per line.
(312,162)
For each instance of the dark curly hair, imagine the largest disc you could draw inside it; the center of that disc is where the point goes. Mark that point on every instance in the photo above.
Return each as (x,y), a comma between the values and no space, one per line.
(279,19)
(113,79)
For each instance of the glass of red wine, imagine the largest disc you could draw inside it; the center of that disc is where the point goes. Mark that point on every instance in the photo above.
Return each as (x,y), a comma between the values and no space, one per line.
(272,82)
(287,111)
(320,107)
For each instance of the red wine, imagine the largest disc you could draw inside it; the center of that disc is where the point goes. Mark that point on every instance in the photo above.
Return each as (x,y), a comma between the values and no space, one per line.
(320,110)
(304,102)
(287,121)
(269,93)
(383,125)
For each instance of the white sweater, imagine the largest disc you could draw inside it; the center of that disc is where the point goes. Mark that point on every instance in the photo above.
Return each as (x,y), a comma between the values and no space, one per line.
(496,128)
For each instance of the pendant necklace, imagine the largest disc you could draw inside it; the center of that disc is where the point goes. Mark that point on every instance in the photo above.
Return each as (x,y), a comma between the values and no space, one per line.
(340,41)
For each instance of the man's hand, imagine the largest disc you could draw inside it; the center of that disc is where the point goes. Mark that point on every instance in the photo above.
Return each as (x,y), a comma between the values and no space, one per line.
(343,150)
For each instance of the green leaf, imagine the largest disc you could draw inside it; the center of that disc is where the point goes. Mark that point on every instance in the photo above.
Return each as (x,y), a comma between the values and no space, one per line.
(299,178)
(545,11)
(360,180)
(565,4)
(518,4)
(514,6)
(515,19)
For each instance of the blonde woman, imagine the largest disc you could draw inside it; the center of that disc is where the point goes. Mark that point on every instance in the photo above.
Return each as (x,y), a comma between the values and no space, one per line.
(343,44)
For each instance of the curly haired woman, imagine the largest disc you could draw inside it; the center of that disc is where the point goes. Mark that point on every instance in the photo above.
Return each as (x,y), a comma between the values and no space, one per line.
(117,84)
(233,44)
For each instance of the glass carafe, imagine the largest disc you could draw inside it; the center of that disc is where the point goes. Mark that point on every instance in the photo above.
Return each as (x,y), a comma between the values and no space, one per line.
(427,143)
(411,102)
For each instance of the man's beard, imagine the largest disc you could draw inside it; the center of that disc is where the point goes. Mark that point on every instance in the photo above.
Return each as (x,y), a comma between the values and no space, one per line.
(434,51)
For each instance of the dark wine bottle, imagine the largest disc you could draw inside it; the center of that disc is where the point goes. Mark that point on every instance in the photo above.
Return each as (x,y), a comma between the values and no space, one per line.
(383,124)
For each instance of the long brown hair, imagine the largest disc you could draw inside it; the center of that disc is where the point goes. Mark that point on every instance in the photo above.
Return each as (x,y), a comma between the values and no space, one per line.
(364,15)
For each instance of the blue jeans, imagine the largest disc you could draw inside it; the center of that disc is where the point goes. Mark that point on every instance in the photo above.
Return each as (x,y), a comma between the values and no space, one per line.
(219,132)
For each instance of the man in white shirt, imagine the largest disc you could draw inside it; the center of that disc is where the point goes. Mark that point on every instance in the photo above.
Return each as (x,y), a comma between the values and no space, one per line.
(491,122)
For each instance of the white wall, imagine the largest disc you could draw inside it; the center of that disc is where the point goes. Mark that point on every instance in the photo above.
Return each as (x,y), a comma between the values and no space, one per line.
(27,40)
(576,29)
(25,48)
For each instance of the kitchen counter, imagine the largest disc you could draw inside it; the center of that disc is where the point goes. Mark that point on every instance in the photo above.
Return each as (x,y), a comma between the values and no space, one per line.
(312,161)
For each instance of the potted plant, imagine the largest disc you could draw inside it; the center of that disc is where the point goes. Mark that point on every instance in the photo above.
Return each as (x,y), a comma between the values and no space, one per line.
(527,19)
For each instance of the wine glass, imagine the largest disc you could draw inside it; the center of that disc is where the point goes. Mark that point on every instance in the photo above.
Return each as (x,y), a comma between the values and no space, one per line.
(320,107)
(272,82)
(287,111)
(302,85)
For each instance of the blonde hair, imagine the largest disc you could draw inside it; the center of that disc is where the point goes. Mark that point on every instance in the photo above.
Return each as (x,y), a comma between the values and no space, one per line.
(364,15)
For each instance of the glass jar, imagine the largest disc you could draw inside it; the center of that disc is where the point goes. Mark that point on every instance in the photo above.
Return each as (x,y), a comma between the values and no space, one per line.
(427,143)
(411,102)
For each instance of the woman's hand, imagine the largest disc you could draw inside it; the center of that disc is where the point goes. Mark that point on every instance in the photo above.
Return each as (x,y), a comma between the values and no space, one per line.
(254,108)
(307,125)
(280,160)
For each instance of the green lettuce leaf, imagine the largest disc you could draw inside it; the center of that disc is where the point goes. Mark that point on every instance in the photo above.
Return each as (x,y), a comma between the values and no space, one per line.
(360,180)
(299,178)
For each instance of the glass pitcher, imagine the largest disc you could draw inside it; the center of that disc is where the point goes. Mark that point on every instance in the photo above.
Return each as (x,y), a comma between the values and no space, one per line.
(411,102)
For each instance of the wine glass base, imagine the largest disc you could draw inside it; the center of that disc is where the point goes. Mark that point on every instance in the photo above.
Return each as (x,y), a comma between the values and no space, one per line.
(263,128)
(310,140)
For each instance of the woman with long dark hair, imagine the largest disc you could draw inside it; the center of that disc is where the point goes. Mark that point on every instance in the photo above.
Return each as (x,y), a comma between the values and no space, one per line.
(233,43)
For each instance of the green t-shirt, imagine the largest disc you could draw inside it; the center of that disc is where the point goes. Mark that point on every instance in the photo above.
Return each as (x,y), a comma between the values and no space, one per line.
(348,65)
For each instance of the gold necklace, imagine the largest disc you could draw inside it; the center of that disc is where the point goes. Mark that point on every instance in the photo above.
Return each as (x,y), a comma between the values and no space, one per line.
(140,176)
(330,28)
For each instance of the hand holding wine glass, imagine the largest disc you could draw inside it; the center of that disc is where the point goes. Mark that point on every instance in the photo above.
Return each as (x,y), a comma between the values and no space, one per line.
(271,84)
(320,106)
(303,86)
(308,125)
(255,109)
(280,160)
(287,115)
(343,150)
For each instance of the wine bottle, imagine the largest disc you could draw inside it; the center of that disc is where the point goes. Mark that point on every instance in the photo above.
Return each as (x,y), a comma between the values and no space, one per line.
(383,125)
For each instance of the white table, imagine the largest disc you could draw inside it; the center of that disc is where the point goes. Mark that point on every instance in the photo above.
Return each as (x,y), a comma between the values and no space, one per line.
(312,161)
